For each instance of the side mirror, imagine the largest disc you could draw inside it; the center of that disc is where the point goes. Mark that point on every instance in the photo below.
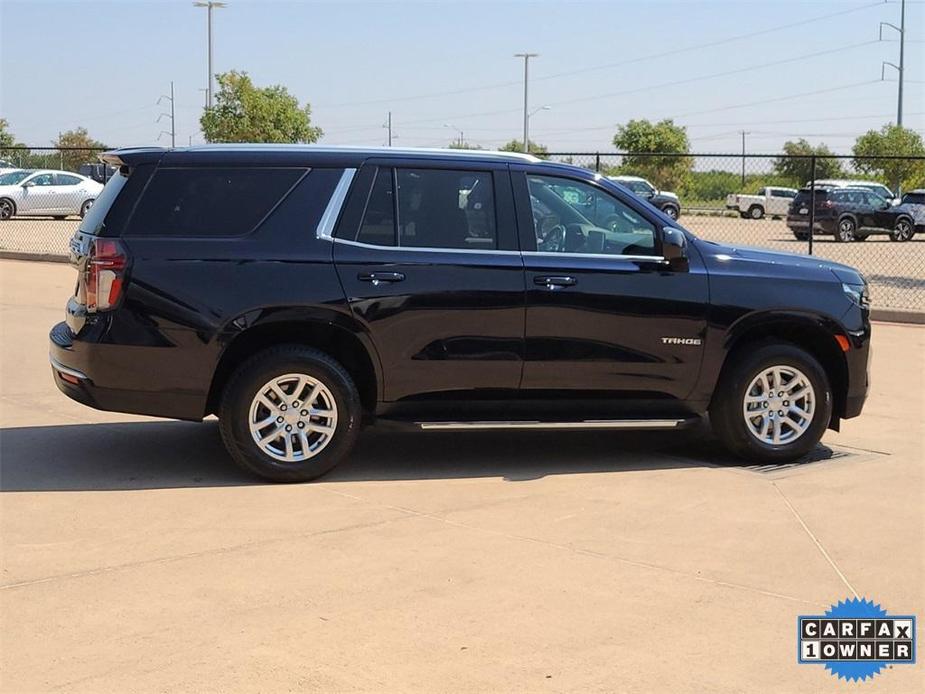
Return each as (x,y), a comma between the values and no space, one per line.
(674,249)
(28,184)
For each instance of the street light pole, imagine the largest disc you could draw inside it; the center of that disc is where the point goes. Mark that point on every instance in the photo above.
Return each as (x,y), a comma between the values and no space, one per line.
(209,6)
(526,57)
(744,133)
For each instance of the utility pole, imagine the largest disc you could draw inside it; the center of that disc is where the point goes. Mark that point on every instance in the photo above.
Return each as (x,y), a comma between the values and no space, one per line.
(526,57)
(171,116)
(744,133)
(902,51)
(209,6)
(388,125)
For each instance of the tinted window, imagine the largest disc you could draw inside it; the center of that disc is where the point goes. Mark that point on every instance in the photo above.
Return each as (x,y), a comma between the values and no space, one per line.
(209,201)
(439,208)
(575,217)
(914,199)
(378,225)
(65,180)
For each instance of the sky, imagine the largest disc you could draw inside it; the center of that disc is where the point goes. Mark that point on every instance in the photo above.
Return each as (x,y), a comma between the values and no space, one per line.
(777,69)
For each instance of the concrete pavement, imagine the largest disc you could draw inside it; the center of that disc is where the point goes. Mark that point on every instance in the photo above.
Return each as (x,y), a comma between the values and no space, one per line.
(136,558)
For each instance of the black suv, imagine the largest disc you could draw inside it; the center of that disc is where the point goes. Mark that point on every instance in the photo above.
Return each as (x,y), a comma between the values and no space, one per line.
(850,214)
(298,292)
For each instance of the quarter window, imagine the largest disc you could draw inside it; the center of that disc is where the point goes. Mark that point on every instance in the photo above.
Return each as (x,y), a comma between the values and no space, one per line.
(209,201)
(575,217)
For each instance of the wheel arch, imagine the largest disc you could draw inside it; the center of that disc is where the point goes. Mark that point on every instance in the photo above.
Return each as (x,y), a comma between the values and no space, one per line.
(814,334)
(331,334)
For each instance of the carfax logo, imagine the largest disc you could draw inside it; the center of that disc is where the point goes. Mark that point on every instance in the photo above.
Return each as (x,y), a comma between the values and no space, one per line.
(856,639)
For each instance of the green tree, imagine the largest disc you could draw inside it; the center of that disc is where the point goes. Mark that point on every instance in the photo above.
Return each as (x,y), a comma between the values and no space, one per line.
(536,149)
(71,159)
(456,144)
(8,143)
(244,112)
(641,139)
(795,165)
(891,140)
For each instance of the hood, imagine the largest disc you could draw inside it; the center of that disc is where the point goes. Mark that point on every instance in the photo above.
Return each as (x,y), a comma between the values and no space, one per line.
(807,263)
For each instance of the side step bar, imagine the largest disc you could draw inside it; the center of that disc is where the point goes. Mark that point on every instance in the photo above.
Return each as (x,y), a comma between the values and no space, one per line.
(585,424)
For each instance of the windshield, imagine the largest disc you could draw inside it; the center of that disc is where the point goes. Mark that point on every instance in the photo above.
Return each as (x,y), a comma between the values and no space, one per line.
(13,177)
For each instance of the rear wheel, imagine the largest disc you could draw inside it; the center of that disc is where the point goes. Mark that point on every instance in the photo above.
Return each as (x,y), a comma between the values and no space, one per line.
(903,231)
(846,230)
(773,404)
(290,414)
(756,212)
(801,235)
(671,211)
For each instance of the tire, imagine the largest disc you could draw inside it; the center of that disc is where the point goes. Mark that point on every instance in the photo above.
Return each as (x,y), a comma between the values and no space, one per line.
(845,230)
(903,231)
(740,379)
(87,204)
(755,212)
(250,390)
(801,235)
(671,211)
(7,209)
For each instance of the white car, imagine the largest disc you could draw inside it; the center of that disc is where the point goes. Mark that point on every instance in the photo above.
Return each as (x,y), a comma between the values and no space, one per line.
(872,186)
(45,193)
(770,200)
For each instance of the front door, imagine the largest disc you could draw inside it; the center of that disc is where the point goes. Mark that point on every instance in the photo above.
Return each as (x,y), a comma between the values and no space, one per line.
(431,267)
(39,195)
(604,311)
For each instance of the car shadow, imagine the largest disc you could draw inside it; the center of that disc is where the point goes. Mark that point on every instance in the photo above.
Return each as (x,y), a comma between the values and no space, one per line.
(169,454)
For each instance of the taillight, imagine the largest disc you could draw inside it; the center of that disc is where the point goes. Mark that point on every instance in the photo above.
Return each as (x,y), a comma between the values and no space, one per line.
(105,273)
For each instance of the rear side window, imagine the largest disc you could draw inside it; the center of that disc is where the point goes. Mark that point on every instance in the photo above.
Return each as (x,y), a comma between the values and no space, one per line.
(914,199)
(437,208)
(189,202)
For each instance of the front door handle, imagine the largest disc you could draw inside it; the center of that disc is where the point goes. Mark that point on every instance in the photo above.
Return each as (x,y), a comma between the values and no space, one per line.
(378,277)
(553,281)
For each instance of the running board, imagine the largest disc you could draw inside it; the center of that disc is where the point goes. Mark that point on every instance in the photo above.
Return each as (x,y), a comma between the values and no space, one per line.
(584,424)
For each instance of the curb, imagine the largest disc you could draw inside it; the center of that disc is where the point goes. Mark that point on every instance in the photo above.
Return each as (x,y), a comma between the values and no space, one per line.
(41,257)
(886,315)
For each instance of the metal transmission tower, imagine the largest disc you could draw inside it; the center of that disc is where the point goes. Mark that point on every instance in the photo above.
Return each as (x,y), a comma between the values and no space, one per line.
(172,116)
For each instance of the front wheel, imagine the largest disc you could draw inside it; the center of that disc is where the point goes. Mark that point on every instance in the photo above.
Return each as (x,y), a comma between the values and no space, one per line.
(903,231)
(7,210)
(671,211)
(773,404)
(290,414)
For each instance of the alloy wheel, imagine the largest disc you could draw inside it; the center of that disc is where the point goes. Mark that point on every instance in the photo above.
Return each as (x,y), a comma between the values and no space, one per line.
(779,405)
(293,417)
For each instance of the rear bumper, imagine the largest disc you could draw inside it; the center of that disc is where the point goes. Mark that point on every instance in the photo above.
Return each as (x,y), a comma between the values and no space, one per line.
(820,226)
(81,371)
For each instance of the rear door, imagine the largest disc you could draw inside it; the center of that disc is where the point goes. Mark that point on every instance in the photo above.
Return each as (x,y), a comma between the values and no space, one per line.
(427,255)
(604,311)
(70,189)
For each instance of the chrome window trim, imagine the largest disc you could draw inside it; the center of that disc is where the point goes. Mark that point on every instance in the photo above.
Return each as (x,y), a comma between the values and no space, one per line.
(614,256)
(325,228)
(426,249)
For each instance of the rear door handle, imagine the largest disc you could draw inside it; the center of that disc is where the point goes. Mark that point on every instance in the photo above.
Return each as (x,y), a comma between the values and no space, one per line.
(552,281)
(377,277)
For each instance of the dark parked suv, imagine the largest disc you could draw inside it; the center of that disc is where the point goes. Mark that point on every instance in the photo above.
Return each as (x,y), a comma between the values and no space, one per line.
(298,292)
(850,214)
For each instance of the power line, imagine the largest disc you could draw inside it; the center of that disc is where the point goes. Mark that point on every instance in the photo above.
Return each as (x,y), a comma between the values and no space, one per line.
(605,66)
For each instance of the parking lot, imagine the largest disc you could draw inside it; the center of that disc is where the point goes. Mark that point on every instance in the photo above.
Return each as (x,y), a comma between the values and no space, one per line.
(896,271)
(135,558)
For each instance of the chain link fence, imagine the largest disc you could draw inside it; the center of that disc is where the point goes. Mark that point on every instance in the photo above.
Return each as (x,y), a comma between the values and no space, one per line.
(740,200)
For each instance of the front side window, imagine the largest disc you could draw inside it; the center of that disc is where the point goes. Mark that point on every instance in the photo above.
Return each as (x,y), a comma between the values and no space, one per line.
(45,179)
(437,208)
(209,201)
(572,216)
